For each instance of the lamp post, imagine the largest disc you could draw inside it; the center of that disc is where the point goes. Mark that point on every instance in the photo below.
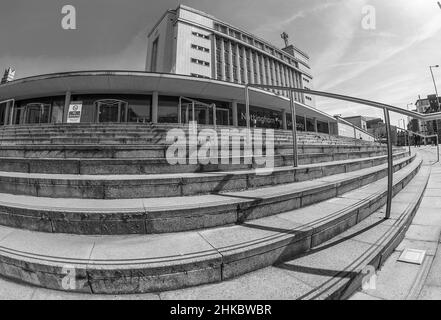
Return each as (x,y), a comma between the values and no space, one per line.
(434,83)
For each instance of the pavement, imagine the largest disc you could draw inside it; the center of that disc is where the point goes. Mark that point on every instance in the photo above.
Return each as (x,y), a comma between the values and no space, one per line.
(398,280)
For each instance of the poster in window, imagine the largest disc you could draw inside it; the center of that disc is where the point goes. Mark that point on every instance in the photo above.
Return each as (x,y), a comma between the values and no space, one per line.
(74,114)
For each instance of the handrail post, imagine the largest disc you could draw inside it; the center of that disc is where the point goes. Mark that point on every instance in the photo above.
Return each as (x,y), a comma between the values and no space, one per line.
(294,130)
(180,111)
(437,146)
(390,170)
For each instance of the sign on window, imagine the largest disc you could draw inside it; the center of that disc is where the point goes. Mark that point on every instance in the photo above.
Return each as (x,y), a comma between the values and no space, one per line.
(74,114)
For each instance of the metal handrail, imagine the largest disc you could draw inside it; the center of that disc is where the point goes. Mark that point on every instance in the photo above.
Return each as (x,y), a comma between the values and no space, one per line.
(385,107)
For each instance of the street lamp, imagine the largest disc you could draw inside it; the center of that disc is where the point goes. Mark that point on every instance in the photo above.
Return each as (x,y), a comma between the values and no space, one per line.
(434,83)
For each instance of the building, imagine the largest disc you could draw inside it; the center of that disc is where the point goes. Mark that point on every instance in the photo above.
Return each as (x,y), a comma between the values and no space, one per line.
(134,97)
(377,128)
(190,42)
(358,121)
(196,70)
(428,105)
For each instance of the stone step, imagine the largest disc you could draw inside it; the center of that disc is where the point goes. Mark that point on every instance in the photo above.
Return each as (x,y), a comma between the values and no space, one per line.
(332,270)
(151,263)
(147,150)
(104,166)
(177,214)
(144,186)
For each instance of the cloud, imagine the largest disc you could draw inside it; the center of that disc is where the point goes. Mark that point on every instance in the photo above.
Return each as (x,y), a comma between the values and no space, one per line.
(426,32)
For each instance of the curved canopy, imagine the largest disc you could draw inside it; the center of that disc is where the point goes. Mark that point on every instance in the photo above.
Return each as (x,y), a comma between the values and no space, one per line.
(133,82)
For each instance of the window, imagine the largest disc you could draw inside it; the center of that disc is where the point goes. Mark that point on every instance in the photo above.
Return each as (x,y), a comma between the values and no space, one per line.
(200,48)
(154,55)
(200,35)
(201,62)
(199,76)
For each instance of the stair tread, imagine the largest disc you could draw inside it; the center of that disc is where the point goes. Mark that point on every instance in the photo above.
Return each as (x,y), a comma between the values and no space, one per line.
(325,270)
(186,202)
(180,248)
(187,175)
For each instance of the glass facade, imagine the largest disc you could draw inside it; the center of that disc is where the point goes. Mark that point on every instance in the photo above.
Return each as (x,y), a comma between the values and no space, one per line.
(260,117)
(128,108)
(168,109)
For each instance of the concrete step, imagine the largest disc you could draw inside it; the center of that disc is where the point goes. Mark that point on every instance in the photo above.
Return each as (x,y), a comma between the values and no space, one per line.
(177,214)
(147,150)
(157,185)
(150,263)
(104,166)
(332,270)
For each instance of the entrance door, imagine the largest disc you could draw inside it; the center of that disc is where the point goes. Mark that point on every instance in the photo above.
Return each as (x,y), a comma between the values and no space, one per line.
(111,110)
(201,114)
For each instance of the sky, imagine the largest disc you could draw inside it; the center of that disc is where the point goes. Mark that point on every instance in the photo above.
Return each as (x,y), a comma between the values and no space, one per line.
(389,64)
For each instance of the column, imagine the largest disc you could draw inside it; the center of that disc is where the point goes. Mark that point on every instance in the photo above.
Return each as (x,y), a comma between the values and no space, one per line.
(301,86)
(287,78)
(284,124)
(245,67)
(239,77)
(234,110)
(251,68)
(273,74)
(222,57)
(263,71)
(214,54)
(155,98)
(257,68)
(293,83)
(67,100)
(267,71)
(289,71)
(230,60)
(315,125)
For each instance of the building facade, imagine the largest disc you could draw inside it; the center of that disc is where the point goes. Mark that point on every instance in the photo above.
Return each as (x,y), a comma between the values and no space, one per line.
(429,105)
(358,121)
(190,42)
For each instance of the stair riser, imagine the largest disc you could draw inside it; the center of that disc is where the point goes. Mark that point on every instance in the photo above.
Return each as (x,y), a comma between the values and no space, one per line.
(157,152)
(148,188)
(155,166)
(238,264)
(153,278)
(140,222)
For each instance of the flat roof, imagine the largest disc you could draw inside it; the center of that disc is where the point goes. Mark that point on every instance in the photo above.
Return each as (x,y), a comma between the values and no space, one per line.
(140,82)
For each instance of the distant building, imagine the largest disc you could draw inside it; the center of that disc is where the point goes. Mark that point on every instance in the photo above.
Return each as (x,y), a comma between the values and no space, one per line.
(8,75)
(190,42)
(358,121)
(428,105)
(377,128)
